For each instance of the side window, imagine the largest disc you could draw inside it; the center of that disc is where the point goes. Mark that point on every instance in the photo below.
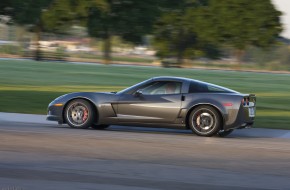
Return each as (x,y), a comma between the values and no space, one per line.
(215,89)
(162,87)
(195,87)
(173,88)
(206,88)
(152,88)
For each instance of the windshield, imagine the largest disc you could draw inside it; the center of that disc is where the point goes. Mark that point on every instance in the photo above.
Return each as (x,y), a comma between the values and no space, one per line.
(133,88)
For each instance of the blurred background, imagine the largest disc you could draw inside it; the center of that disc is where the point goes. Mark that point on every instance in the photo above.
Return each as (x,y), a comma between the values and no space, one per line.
(52,47)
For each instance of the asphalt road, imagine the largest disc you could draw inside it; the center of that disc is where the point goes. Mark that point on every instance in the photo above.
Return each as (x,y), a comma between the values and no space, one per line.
(47,156)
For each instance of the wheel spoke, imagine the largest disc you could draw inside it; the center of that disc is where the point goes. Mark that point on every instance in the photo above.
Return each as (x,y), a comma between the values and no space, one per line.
(78,114)
(203,121)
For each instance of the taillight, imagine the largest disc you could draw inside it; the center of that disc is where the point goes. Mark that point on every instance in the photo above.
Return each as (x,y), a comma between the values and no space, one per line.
(228,104)
(246,101)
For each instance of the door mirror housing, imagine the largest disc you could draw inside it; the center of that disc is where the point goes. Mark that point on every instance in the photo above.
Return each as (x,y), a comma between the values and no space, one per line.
(138,93)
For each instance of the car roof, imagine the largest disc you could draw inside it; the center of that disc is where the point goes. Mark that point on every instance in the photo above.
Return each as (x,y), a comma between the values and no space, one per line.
(182,79)
(170,78)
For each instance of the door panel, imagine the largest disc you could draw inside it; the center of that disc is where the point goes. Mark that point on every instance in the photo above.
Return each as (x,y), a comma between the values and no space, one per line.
(149,108)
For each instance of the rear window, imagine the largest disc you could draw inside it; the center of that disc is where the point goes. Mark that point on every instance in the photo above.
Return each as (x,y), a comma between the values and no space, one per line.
(196,87)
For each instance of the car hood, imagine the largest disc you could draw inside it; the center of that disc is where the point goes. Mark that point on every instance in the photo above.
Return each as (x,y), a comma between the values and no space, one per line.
(91,96)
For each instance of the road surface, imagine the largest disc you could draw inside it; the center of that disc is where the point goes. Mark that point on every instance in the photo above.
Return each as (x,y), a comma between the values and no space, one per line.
(43,155)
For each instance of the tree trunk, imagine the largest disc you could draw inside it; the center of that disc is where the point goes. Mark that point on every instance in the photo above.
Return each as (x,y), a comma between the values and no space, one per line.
(107,50)
(239,55)
(37,55)
(181,47)
(180,57)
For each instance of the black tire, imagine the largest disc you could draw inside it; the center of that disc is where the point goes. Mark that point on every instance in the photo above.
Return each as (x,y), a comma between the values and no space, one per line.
(79,114)
(205,121)
(225,133)
(99,127)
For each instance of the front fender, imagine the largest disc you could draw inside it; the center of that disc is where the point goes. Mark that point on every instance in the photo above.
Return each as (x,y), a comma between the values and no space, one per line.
(56,108)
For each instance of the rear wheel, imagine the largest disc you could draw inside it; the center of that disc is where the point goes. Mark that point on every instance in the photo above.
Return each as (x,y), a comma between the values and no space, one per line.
(205,121)
(79,114)
(99,127)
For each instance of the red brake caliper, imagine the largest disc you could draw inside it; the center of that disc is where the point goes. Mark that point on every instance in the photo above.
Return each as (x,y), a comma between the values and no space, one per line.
(198,120)
(85,117)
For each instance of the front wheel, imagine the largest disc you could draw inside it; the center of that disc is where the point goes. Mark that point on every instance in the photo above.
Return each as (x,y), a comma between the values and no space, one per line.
(79,114)
(205,121)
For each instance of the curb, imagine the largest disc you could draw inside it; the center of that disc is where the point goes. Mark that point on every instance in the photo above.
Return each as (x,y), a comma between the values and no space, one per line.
(24,118)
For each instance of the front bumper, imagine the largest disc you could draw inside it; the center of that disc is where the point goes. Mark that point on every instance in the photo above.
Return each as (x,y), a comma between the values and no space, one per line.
(53,118)
(55,113)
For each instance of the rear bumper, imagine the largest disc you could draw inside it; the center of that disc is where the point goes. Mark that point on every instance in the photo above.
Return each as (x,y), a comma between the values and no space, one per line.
(239,126)
(243,120)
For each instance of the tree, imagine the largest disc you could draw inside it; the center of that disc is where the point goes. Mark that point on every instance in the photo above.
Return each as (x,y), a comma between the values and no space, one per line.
(173,37)
(238,23)
(129,19)
(76,13)
(175,33)
(5,7)
(27,13)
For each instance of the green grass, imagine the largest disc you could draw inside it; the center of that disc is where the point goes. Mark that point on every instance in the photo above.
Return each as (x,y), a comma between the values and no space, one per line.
(28,86)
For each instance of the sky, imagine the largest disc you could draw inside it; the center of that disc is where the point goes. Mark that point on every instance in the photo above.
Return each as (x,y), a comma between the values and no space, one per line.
(284,7)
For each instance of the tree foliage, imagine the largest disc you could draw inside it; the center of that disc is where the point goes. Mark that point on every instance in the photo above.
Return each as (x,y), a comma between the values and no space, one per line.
(175,32)
(5,7)
(129,19)
(182,28)
(27,13)
(238,23)
(61,15)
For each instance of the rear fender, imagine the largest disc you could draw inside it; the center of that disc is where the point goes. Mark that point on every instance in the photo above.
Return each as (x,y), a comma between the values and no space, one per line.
(218,106)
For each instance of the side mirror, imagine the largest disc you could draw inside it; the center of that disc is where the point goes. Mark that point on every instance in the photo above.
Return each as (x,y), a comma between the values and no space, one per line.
(138,93)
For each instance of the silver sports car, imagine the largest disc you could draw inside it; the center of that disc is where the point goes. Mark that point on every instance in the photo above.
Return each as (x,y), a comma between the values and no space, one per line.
(182,103)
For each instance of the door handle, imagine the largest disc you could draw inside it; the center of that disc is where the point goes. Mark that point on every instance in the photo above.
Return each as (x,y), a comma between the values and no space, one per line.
(182,98)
